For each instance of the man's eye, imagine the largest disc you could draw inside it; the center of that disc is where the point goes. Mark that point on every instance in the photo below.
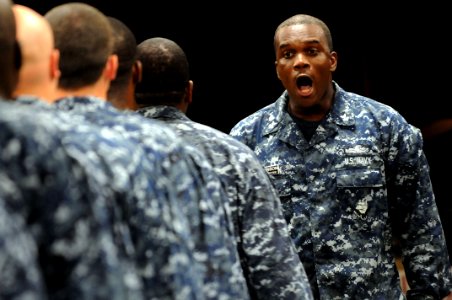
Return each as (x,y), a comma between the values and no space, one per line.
(287,54)
(312,51)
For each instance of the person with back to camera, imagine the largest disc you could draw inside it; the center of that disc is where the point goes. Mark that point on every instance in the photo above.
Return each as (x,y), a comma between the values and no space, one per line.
(19,269)
(121,94)
(88,64)
(351,174)
(269,259)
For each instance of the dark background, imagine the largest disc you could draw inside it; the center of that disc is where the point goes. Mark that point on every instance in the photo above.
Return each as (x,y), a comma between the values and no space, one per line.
(394,52)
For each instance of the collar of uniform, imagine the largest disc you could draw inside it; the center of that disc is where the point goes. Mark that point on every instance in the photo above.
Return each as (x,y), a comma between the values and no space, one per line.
(276,114)
(341,113)
(162,111)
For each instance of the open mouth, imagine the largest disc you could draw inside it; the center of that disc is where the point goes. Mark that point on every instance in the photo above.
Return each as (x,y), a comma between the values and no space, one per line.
(304,82)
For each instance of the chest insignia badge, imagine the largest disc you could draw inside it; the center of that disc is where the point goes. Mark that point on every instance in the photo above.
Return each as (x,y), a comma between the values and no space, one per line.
(361,207)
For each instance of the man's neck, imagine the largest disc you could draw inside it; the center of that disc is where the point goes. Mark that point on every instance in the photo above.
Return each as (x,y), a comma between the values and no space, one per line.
(95,90)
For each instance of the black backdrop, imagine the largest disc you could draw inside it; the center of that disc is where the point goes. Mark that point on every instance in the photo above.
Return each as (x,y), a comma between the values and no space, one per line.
(394,52)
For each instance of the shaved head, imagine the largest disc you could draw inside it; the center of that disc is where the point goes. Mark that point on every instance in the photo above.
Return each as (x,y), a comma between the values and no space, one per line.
(36,40)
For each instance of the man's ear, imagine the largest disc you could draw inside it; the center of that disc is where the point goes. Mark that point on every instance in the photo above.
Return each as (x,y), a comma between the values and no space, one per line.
(189,92)
(137,72)
(276,67)
(188,97)
(333,59)
(111,67)
(55,72)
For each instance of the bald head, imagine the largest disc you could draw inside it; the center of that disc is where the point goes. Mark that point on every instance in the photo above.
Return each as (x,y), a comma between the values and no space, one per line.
(39,73)
(8,54)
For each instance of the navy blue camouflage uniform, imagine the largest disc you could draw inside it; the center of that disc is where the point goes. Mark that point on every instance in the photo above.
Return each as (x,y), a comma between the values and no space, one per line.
(196,185)
(76,253)
(268,256)
(20,274)
(140,204)
(359,183)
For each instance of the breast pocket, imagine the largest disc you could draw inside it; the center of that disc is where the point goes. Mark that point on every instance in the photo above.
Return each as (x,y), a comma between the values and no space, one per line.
(361,194)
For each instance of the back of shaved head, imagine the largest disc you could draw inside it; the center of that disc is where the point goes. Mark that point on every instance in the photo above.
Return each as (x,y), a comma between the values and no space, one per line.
(37,74)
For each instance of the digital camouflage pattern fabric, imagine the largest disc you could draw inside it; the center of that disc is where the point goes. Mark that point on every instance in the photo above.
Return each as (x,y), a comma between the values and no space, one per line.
(76,254)
(195,188)
(20,274)
(268,256)
(150,230)
(360,181)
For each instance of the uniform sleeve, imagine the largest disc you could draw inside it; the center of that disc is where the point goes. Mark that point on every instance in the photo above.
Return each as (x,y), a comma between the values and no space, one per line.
(416,220)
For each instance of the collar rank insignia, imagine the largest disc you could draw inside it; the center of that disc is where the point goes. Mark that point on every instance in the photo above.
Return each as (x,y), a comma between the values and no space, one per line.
(273,170)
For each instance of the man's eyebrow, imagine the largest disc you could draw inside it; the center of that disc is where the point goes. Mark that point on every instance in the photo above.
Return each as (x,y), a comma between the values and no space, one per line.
(313,41)
(310,42)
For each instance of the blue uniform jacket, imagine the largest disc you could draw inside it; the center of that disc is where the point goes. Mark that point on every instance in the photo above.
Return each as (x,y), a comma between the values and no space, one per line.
(268,255)
(47,188)
(189,181)
(359,183)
